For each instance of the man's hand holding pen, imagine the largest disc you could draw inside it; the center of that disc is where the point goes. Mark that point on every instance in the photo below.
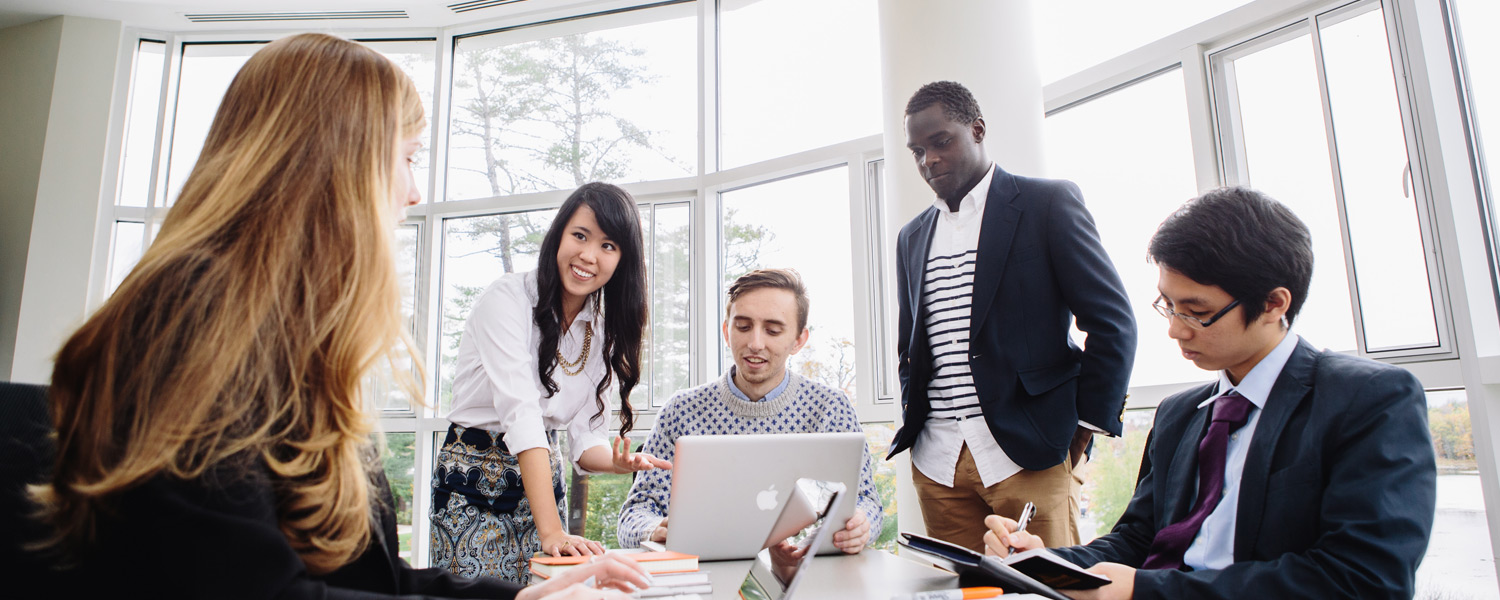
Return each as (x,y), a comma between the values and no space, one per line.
(1006,536)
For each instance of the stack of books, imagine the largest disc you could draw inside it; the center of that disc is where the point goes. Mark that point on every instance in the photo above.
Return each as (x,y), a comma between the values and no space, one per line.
(673,573)
(676,584)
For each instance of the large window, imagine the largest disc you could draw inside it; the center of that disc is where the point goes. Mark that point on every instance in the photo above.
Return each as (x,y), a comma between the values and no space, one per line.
(128,237)
(204,75)
(1395,296)
(1329,142)
(747,149)
(669,352)
(530,112)
(1130,153)
(1110,474)
(1458,562)
(1475,22)
(476,252)
(783,224)
(1077,34)
(766,88)
(1316,107)
(142,119)
(1285,149)
(552,108)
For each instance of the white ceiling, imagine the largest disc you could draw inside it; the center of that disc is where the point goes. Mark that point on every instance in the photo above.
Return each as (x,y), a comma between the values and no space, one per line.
(170,16)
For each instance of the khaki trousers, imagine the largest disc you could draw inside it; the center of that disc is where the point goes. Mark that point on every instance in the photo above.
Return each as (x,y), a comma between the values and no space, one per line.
(956,514)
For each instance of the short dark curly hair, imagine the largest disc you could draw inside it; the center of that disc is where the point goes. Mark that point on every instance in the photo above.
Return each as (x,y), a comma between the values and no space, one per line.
(958,104)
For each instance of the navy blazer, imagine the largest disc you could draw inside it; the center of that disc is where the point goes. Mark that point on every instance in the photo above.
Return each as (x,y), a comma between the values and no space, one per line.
(1040,263)
(1336,497)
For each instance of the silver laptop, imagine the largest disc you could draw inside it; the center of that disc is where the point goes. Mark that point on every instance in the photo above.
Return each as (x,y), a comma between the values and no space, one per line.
(778,569)
(727,490)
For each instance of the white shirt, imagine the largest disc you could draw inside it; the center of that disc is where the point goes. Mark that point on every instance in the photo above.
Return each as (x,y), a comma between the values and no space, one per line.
(1213,547)
(496,386)
(938,445)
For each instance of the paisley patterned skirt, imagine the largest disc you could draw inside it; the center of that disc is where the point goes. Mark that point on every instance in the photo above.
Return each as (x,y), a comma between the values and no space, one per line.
(481,520)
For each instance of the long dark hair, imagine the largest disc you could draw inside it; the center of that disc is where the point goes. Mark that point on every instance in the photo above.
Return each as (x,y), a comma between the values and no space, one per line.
(624,294)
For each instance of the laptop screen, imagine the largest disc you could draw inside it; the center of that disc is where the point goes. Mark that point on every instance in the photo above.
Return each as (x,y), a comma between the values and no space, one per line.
(777,568)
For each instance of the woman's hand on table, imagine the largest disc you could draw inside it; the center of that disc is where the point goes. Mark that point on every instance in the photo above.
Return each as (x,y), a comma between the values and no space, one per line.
(561,543)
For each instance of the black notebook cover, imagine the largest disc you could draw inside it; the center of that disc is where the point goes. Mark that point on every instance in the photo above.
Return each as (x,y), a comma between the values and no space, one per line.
(976,569)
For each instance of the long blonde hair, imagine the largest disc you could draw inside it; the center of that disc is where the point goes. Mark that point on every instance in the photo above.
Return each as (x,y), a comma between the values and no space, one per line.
(247,327)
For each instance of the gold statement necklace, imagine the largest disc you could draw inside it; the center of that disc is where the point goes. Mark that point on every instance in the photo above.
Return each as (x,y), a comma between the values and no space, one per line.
(583,357)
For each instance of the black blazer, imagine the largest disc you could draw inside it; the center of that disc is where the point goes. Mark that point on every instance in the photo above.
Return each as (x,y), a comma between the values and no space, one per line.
(1336,497)
(1040,263)
(218,538)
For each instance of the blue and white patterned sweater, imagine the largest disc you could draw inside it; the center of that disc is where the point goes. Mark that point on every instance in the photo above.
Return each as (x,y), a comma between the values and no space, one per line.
(712,409)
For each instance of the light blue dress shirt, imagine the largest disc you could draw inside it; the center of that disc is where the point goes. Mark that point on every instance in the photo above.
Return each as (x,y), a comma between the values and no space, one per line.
(1213,548)
(771,395)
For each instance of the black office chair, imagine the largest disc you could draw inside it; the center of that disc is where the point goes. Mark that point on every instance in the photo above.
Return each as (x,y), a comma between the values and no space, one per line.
(26,454)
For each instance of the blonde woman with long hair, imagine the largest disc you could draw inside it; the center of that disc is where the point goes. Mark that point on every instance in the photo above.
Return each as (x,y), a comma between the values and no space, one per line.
(213,437)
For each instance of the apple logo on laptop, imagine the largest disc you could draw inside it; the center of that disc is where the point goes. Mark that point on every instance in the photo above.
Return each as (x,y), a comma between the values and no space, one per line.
(766,500)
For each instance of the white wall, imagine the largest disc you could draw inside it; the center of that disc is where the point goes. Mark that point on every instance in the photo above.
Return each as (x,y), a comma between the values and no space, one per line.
(988,46)
(70,179)
(28,62)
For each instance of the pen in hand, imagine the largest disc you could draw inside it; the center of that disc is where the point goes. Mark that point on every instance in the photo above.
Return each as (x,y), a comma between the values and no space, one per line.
(1027,513)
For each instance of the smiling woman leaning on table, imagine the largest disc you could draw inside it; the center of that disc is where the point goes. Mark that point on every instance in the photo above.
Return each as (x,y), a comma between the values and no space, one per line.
(213,434)
(541,352)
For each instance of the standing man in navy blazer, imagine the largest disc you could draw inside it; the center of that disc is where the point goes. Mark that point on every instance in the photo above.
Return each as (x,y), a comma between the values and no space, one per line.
(1322,483)
(999,403)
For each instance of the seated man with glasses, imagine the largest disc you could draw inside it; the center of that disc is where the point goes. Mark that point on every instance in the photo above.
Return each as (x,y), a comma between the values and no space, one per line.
(1299,473)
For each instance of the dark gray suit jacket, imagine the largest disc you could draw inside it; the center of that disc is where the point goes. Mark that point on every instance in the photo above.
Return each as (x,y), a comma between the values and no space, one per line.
(1336,497)
(1040,264)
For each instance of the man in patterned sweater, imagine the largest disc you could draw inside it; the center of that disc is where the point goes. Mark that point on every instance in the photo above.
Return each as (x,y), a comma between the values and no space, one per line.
(765,323)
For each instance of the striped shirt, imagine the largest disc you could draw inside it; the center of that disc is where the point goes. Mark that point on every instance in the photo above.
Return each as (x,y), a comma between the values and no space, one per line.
(956,419)
(947,293)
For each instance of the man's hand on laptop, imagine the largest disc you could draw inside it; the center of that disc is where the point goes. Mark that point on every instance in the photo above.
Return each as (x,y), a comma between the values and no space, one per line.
(660,533)
(630,462)
(855,535)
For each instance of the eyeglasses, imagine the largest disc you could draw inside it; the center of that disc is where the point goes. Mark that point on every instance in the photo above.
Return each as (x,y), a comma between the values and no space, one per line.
(1192,321)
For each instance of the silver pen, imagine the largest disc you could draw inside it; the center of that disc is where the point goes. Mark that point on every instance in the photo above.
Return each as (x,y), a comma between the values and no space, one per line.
(1027,513)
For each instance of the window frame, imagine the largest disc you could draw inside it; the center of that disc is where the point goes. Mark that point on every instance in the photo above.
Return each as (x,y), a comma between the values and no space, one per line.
(1233,168)
(699,193)
(1258,23)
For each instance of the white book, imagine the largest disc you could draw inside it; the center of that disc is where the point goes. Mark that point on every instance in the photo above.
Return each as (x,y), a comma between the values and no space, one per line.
(679,579)
(662,593)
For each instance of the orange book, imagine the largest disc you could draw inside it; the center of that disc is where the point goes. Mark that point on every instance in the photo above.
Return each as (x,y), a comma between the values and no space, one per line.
(655,563)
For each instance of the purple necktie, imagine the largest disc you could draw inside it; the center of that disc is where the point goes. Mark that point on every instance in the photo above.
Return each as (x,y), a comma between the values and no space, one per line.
(1230,412)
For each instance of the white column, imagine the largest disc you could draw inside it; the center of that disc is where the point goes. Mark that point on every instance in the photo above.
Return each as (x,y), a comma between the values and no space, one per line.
(988,46)
(1460,226)
(28,62)
(69,192)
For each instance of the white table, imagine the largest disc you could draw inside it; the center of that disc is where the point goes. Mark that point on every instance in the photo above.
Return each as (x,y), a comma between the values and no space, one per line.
(869,575)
